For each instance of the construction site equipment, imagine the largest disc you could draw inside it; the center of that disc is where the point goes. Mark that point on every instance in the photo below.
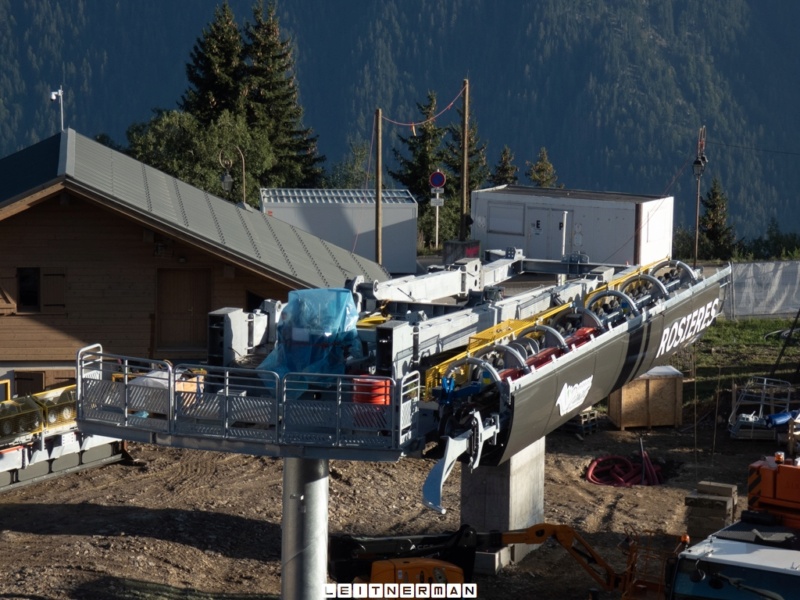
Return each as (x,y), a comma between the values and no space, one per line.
(447,365)
(450,557)
(758,555)
(762,407)
(514,369)
(39,438)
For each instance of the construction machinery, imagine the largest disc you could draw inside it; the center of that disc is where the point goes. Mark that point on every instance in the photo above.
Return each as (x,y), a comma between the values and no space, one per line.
(379,371)
(39,438)
(757,556)
(450,557)
(442,364)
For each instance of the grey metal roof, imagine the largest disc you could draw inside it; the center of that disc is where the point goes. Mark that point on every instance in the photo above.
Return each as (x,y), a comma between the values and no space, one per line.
(525,190)
(351,196)
(244,236)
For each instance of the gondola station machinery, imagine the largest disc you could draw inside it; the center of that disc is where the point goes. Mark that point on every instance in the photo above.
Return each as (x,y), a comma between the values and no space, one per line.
(440,364)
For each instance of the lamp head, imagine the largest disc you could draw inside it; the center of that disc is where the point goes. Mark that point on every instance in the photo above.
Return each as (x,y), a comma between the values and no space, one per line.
(699,165)
(227,182)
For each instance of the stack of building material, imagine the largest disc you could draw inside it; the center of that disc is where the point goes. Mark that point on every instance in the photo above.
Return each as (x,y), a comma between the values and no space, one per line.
(583,423)
(710,507)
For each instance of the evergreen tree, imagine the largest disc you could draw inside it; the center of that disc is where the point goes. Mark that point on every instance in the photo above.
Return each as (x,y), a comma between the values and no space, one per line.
(216,70)
(683,244)
(542,173)
(424,147)
(505,172)
(717,238)
(272,103)
(353,171)
(178,144)
(478,171)
(477,168)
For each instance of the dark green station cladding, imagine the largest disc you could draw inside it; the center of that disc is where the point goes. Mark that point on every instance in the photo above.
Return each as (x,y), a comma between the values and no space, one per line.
(588,374)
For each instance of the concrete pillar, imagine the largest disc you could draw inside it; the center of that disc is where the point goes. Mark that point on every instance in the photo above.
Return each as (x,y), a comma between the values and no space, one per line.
(504,498)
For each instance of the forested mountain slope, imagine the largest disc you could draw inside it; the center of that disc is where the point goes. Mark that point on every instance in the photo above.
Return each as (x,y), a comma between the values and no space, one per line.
(615,89)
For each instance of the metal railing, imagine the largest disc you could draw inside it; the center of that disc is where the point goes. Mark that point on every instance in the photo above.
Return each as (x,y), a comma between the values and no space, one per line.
(299,409)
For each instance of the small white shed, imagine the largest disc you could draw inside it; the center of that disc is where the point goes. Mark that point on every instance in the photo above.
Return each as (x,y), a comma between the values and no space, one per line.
(346,218)
(550,223)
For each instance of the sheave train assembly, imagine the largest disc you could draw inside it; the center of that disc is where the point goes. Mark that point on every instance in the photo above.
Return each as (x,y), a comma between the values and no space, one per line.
(439,364)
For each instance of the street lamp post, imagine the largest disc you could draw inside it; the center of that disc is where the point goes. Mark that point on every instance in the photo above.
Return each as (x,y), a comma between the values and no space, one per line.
(226,179)
(698,166)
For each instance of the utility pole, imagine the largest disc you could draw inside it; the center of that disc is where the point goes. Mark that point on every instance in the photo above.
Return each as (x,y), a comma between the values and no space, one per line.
(465,164)
(378,186)
(698,167)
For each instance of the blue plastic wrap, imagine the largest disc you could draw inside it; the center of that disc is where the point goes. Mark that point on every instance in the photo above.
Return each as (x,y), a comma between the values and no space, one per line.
(316,333)
(780,420)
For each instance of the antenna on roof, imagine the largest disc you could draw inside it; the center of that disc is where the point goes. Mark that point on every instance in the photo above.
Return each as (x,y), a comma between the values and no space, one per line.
(59,95)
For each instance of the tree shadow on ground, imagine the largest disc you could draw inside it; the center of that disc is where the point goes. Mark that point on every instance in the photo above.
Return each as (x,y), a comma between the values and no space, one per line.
(114,588)
(225,534)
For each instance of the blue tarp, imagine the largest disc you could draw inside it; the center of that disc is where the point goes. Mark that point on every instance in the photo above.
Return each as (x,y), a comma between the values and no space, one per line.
(316,333)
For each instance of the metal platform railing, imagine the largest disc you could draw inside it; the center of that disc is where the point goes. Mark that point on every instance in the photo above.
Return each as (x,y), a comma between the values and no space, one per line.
(132,396)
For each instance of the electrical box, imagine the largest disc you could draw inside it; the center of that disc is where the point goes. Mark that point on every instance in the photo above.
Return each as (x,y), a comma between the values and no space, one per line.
(234,334)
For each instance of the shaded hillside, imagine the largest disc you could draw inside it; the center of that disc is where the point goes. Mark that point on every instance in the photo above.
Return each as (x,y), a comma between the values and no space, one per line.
(615,89)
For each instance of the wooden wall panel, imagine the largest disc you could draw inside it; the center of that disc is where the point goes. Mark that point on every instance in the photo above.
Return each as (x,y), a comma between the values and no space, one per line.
(110,285)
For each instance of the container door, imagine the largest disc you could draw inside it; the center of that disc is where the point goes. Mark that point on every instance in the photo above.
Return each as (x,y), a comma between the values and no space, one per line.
(549,234)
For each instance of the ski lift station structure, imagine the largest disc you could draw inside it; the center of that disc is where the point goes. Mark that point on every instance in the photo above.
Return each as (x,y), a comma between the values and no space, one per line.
(380,370)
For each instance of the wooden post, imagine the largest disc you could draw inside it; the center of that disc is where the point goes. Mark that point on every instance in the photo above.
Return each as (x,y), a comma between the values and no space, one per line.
(465,164)
(378,186)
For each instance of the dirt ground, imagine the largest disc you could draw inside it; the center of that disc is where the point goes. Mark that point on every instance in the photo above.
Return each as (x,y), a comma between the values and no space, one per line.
(199,525)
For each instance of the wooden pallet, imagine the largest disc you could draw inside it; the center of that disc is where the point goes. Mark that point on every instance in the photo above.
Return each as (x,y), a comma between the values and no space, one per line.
(583,423)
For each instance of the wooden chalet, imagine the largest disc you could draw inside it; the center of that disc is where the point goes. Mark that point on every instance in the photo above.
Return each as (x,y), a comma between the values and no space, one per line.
(96,247)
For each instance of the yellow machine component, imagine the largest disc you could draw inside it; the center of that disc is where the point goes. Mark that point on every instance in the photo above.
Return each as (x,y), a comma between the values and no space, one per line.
(372,321)
(415,570)
(59,406)
(20,417)
(509,330)
(5,389)
(499,334)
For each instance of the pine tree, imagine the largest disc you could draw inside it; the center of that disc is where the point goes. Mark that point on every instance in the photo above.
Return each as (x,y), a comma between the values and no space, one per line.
(505,172)
(272,103)
(216,70)
(424,147)
(478,170)
(352,171)
(717,238)
(176,143)
(542,173)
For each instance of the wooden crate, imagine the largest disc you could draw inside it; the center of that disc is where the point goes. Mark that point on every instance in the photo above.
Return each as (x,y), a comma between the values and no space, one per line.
(655,399)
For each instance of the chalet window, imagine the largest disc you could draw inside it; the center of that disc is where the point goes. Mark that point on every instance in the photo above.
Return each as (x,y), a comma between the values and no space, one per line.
(32,290)
(29,289)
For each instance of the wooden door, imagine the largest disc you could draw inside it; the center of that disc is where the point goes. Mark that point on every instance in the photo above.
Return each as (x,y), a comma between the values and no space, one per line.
(183,306)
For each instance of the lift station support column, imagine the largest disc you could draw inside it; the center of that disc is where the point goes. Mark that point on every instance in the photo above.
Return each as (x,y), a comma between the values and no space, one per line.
(304,543)
(504,498)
